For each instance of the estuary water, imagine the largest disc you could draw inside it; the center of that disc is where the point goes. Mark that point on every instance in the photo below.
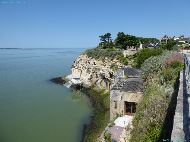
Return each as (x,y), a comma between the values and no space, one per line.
(33,109)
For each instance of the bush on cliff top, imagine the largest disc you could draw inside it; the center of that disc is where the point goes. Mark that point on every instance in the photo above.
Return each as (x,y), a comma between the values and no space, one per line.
(146,53)
(99,53)
(110,53)
(156,109)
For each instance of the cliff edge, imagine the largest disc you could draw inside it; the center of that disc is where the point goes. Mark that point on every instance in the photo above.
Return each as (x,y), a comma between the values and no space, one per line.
(91,71)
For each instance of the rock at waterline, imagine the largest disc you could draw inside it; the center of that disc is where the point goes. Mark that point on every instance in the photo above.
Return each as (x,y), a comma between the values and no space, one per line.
(62,81)
(76,86)
(58,80)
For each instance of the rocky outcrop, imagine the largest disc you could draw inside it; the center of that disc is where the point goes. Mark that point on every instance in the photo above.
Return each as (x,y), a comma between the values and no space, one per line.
(58,80)
(91,71)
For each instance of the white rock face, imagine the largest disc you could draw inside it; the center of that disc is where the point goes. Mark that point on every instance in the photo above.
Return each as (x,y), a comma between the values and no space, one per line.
(92,71)
(129,52)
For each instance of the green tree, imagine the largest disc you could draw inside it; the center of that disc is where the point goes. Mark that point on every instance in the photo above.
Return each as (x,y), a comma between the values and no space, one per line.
(148,40)
(124,41)
(106,41)
(169,45)
(120,41)
(132,40)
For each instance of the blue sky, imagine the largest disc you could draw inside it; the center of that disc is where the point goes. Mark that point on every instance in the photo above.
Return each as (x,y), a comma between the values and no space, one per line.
(78,23)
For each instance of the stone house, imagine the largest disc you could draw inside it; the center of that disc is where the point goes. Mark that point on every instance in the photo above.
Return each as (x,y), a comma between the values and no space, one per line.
(126,92)
(165,39)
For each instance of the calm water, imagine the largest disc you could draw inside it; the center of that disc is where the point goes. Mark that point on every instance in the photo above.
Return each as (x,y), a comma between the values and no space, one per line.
(32,109)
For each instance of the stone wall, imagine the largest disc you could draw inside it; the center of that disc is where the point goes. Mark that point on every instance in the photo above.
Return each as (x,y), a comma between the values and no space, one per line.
(187,71)
(177,132)
(181,124)
(117,100)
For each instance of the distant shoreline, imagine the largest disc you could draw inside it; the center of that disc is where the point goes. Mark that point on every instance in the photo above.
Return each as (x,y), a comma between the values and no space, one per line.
(48,48)
(11,48)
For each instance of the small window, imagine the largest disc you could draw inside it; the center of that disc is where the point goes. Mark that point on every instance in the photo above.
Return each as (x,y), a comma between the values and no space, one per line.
(130,108)
(115,102)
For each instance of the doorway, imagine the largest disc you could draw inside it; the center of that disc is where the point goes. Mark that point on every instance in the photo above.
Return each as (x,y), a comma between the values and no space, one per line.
(130,108)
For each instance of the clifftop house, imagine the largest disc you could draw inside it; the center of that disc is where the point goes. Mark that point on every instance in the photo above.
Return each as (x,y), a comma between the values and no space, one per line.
(180,39)
(126,92)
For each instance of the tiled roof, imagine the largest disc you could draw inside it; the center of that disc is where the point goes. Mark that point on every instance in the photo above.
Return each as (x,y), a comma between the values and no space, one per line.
(132,72)
(133,85)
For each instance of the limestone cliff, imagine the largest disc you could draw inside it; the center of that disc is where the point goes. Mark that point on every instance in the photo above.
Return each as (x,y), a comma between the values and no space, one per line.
(99,72)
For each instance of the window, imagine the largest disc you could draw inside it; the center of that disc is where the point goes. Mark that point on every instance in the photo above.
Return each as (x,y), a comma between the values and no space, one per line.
(115,103)
(130,108)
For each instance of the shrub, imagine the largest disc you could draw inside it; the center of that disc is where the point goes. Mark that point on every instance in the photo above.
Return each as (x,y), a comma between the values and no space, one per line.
(99,53)
(145,54)
(175,58)
(167,74)
(125,62)
(114,67)
(169,45)
(160,74)
(111,54)
(107,137)
(150,115)
(151,67)
(156,65)
(176,64)
(122,59)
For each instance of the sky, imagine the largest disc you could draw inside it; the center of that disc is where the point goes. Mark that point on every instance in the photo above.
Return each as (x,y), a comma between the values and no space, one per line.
(78,23)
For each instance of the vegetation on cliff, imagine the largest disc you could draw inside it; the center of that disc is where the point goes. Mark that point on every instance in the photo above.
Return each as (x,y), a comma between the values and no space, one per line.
(101,115)
(144,54)
(153,119)
(169,45)
(113,49)
(124,41)
(148,40)
(99,53)
(106,41)
(160,71)
(111,54)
